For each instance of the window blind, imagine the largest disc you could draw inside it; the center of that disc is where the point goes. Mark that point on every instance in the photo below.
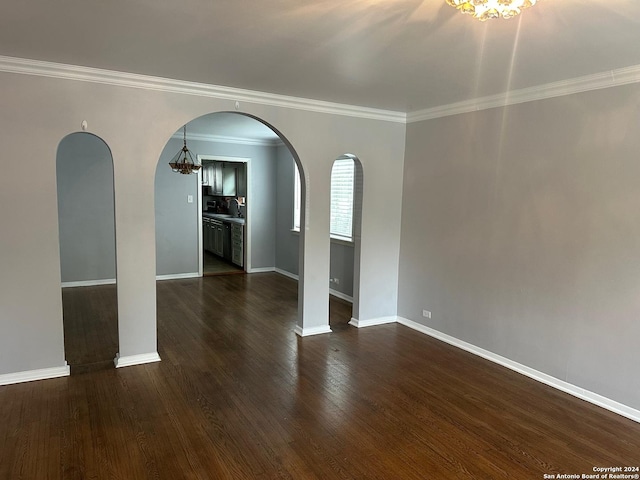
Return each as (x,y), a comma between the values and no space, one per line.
(342,198)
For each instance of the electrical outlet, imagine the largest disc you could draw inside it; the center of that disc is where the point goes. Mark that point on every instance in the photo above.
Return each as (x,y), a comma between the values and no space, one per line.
(331,280)
(426,313)
(337,281)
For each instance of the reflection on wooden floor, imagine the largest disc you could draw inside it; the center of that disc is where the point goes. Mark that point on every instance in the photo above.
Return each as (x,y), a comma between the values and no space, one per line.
(238,395)
(90,327)
(214,265)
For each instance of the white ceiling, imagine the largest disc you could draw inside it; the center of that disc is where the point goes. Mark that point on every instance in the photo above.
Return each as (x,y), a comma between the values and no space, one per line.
(402,55)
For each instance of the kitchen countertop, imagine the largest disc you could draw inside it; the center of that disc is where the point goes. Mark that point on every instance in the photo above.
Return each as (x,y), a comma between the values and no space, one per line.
(224,218)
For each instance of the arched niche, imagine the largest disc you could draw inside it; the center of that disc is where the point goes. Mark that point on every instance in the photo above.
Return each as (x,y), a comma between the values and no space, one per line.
(86,226)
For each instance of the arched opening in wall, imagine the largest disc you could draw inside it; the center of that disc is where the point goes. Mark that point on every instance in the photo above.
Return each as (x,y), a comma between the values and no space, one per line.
(224,240)
(344,236)
(86,221)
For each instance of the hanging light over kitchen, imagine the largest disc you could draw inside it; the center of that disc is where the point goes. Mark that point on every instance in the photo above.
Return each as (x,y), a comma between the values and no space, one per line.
(183,162)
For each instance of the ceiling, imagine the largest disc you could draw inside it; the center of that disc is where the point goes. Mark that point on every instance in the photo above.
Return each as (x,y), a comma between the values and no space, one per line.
(400,55)
(230,125)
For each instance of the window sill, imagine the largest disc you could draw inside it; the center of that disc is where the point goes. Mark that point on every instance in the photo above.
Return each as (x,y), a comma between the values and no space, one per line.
(334,238)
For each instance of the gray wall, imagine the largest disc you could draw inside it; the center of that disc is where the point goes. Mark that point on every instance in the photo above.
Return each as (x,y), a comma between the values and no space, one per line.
(136,124)
(341,255)
(177,220)
(520,231)
(84,172)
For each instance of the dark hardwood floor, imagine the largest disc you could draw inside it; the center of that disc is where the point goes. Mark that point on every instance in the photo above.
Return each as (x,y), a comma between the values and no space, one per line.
(90,327)
(239,396)
(214,265)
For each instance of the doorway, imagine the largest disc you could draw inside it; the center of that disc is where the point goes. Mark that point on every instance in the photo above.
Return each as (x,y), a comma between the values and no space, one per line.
(225,219)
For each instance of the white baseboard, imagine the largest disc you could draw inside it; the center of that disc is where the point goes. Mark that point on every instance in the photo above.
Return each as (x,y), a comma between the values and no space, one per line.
(333,292)
(130,360)
(32,375)
(554,382)
(286,274)
(261,270)
(372,321)
(341,295)
(306,332)
(177,276)
(89,283)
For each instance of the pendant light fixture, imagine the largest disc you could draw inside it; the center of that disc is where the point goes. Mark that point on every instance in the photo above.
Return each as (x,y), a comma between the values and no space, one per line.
(183,162)
(488,9)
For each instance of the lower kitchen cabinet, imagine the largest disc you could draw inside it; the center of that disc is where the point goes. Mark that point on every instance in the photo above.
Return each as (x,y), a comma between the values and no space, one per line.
(237,244)
(213,236)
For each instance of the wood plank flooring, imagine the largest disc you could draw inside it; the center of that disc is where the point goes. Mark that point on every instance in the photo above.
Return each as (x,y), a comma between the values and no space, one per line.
(90,327)
(239,396)
(214,265)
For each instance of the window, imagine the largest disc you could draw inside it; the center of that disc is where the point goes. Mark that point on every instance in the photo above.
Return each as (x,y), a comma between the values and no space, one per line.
(342,184)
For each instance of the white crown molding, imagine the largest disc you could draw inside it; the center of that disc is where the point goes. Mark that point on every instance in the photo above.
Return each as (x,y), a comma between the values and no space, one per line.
(140,359)
(597,81)
(234,140)
(147,82)
(612,78)
(32,375)
(541,377)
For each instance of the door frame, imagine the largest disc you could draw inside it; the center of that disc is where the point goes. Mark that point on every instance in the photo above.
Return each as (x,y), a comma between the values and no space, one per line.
(247,218)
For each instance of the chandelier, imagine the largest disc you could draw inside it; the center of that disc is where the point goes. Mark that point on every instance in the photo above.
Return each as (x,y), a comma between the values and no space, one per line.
(487,9)
(182,162)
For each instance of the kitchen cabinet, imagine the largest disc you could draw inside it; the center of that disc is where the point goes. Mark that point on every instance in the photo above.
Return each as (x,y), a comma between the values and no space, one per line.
(223,179)
(226,241)
(229,176)
(208,174)
(205,233)
(237,244)
(216,180)
(218,237)
(213,236)
(212,177)
(241,180)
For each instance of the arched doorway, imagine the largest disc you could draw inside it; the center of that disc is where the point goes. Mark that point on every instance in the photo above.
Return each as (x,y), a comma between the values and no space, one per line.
(86,221)
(255,151)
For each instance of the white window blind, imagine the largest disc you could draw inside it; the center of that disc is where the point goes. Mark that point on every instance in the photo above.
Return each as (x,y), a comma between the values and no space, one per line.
(342,185)
(342,175)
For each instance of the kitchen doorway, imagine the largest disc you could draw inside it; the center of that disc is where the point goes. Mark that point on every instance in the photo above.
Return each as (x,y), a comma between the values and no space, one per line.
(224,222)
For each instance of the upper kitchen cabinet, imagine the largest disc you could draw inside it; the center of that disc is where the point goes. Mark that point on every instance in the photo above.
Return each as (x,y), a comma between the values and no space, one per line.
(212,177)
(241,180)
(206,174)
(217,185)
(229,179)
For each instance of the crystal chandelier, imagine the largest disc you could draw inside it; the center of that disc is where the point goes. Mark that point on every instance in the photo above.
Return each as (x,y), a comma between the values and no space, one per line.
(487,9)
(182,162)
